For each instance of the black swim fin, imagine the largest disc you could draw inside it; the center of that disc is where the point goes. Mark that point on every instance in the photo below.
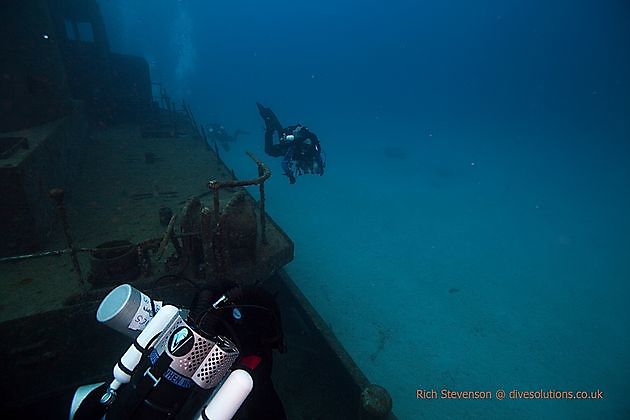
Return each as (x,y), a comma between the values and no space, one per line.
(271,121)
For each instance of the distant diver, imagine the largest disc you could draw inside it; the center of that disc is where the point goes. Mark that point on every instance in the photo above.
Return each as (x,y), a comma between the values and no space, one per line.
(218,134)
(298,146)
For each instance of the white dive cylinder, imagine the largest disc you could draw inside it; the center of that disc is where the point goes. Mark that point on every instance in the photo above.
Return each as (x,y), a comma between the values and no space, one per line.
(128,362)
(227,400)
(127,310)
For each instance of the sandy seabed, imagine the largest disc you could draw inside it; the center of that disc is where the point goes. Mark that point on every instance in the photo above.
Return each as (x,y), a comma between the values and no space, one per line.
(469,265)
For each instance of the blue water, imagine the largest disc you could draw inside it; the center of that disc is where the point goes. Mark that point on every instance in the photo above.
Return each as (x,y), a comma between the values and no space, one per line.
(471,231)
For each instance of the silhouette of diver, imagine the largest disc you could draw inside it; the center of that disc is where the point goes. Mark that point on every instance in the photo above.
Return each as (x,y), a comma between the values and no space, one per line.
(298,146)
(218,134)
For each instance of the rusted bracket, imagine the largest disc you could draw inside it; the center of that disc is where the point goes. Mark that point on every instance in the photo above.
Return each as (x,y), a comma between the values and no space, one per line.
(168,233)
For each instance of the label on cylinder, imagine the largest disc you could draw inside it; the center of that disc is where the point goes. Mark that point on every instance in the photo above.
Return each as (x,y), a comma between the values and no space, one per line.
(144,313)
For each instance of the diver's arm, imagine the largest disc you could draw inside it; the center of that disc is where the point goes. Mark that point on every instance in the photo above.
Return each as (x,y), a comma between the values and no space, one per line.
(271,149)
(318,152)
(271,126)
(320,163)
(287,163)
(313,138)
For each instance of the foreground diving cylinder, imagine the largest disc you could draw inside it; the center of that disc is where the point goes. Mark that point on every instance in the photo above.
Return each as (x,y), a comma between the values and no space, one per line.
(228,399)
(201,359)
(127,310)
(128,362)
(184,360)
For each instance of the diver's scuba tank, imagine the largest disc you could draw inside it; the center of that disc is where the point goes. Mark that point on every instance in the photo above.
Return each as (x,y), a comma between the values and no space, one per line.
(178,358)
(167,360)
(126,366)
(127,310)
(130,360)
(224,404)
(183,361)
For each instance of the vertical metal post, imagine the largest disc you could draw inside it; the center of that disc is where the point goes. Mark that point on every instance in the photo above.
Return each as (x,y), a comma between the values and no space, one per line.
(263,219)
(174,117)
(194,122)
(215,186)
(216,152)
(204,136)
(206,238)
(56,195)
(215,197)
(217,241)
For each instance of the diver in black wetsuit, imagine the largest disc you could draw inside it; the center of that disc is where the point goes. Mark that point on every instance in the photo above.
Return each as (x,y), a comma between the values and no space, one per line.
(251,318)
(297,145)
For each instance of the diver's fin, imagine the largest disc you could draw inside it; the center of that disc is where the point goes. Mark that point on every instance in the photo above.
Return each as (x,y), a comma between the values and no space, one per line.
(271,121)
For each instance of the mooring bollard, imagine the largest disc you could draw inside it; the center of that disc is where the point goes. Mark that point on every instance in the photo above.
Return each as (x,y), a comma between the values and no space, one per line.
(376,403)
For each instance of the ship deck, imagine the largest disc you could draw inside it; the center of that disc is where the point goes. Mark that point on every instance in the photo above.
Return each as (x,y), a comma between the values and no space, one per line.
(46,316)
(127,173)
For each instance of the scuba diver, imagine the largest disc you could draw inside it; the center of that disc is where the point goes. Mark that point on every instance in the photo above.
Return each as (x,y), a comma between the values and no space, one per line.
(297,145)
(212,360)
(250,317)
(218,134)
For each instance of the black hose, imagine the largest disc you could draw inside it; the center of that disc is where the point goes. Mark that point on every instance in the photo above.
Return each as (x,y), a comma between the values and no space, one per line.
(200,304)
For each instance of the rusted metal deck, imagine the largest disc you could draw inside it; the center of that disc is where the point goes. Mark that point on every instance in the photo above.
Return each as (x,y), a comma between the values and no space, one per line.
(126,175)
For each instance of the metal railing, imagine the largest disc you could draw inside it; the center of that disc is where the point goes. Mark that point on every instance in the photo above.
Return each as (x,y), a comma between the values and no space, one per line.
(263,174)
(215,185)
(57,196)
